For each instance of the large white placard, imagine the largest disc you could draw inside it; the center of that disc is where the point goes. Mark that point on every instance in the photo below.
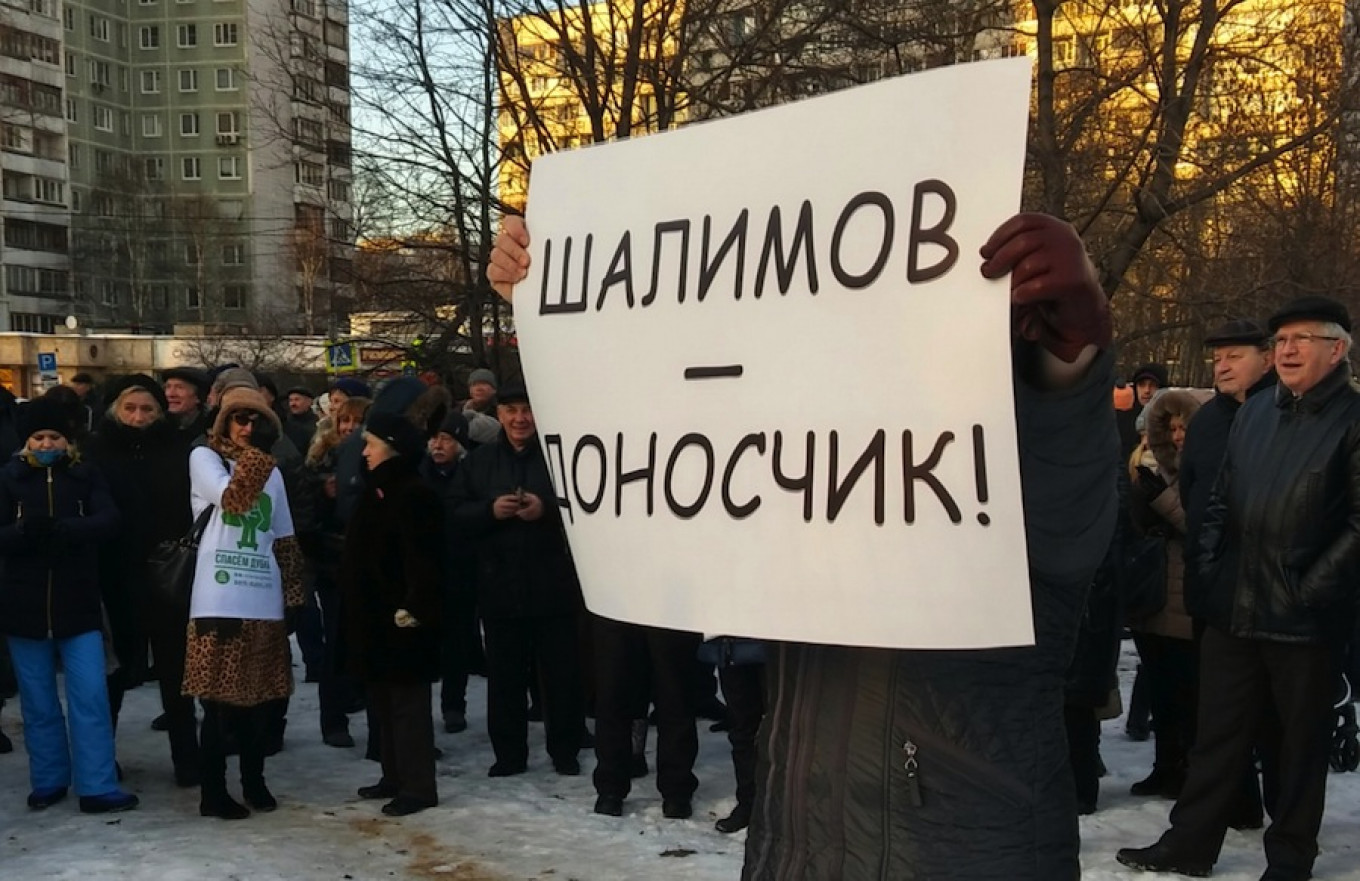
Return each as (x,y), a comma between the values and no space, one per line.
(774,388)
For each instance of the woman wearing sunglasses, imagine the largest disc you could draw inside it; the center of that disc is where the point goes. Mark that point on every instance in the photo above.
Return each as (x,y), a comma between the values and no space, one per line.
(249,573)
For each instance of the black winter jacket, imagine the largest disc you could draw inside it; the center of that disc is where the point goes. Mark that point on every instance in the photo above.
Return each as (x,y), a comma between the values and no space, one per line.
(147,470)
(524,568)
(51,588)
(391,562)
(948,765)
(1206,443)
(1279,549)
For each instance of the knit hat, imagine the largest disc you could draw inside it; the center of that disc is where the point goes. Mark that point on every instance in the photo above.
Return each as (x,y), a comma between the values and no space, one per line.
(481,374)
(1311,309)
(44,414)
(455,425)
(242,398)
(1238,332)
(354,388)
(232,378)
(398,433)
(1155,372)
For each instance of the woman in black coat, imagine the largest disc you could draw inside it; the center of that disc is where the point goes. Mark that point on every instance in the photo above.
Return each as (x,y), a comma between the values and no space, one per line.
(146,462)
(390,610)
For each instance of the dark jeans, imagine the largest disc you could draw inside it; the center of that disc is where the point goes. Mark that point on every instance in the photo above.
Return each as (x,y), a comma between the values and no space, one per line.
(1240,679)
(743,687)
(512,646)
(311,629)
(407,737)
(633,662)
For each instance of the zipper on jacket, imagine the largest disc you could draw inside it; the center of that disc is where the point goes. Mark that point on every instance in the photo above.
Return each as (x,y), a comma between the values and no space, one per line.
(51,512)
(913,791)
(911,766)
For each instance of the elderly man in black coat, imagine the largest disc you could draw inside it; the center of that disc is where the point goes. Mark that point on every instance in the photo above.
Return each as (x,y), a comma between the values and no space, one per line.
(1278,558)
(527,590)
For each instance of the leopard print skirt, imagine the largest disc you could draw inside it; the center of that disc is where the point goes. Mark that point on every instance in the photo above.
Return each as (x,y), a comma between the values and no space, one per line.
(243,663)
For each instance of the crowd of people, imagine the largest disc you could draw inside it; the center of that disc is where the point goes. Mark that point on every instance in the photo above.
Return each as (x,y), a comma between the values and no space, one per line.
(405,538)
(409,537)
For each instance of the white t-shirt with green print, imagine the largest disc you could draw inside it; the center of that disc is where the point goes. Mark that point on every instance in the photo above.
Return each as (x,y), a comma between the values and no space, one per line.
(237,576)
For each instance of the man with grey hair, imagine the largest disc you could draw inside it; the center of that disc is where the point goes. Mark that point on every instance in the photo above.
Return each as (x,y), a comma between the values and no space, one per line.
(1278,558)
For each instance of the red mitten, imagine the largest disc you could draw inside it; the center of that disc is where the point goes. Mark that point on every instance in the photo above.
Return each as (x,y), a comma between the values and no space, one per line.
(1056,300)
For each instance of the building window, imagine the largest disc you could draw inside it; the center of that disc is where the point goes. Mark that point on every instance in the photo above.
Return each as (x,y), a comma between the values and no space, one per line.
(226,124)
(48,190)
(187,36)
(234,296)
(154,168)
(151,82)
(188,125)
(226,79)
(151,125)
(192,298)
(68,17)
(190,254)
(229,167)
(338,190)
(313,174)
(307,131)
(73,155)
(224,33)
(149,37)
(160,297)
(75,201)
(189,168)
(70,64)
(108,293)
(103,160)
(99,73)
(233,254)
(188,80)
(103,118)
(99,28)
(72,114)
(146,2)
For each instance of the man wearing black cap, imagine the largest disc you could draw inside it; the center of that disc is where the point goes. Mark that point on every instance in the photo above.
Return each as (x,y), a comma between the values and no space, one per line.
(1278,558)
(527,590)
(186,392)
(462,637)
(1146,380)
(300,422)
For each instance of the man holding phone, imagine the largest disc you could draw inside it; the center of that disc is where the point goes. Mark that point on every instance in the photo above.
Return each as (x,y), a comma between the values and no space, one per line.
(527,590)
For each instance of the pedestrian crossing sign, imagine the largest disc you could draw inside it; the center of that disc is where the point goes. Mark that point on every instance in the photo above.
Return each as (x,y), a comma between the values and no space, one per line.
(340,357)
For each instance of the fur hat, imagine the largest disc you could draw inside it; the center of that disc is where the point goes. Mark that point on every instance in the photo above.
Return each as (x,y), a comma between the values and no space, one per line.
(1172,403)
(398,433)
(233,378)
(242,398)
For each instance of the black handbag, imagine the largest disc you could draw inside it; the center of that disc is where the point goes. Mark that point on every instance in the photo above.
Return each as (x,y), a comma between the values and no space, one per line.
(171,564)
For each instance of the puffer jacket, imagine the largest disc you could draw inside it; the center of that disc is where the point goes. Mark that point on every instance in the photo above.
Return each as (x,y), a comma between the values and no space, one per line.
(1279,551)
(524,569)
(934,765)
(51,588)
(1164,512)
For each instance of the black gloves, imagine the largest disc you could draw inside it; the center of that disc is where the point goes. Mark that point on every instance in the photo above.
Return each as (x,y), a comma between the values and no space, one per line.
(264,435)
(1150,483)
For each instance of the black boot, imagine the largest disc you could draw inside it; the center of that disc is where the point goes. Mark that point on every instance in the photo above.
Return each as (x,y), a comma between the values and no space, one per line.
(213,798)
(736,821)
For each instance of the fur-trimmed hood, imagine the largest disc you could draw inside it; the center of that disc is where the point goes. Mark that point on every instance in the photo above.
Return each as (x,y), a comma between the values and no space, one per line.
(1167,405)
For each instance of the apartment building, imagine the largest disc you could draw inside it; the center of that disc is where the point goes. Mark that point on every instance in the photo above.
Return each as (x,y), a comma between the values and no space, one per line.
(204,151)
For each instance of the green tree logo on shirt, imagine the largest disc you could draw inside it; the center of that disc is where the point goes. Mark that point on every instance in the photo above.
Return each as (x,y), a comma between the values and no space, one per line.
(250,523)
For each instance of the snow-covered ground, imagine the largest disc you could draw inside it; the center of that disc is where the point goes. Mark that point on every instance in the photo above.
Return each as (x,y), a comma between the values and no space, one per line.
(535,826)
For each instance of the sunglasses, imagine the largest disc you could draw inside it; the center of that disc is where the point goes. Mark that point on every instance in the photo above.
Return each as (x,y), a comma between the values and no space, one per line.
(245,417)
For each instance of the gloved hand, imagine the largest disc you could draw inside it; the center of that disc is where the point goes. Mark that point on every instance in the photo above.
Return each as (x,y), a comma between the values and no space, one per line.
(1056,300)
(404,618)
(38,527)
(1150,483)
